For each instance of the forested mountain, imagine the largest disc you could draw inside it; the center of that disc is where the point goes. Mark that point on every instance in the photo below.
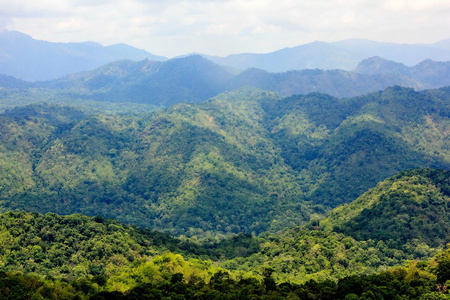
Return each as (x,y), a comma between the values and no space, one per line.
(196,79)
(78,257)
(221,190)
(189,79)
(430,74)
(412,205)
(337,83)
(26,58)
(246,161)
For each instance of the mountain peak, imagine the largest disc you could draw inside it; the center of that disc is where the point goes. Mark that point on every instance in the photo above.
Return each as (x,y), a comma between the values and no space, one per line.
(378,65)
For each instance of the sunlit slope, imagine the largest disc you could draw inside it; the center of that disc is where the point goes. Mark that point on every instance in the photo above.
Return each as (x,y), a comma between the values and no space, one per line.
(413,205)
(244,161)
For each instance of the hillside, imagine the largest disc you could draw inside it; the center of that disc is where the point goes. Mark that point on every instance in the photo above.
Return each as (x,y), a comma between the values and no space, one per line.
(337,83)
(195,79)
(412,205)
(430,74)
(246,161)
(72,257)
(33,60)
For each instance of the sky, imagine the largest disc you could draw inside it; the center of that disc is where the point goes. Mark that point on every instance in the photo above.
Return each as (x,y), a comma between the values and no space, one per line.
(223,27)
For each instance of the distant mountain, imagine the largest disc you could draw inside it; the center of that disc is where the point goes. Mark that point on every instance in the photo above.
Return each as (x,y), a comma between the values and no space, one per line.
(343,55)
(26,58)
(195,79)
(444,44)
(429,73)
(188,79)
(317,55)
(338,83)
(408,54)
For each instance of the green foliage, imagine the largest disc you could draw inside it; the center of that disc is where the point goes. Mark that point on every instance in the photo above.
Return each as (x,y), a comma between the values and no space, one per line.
(411,206)
(160,279)
(244,161)
(78,257)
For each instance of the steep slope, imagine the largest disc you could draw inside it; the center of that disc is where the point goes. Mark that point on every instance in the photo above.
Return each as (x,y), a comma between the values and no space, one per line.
(345,146)
(413,205)
(245,161)
(430,74)
(318,55)
(188,79)
(26,58)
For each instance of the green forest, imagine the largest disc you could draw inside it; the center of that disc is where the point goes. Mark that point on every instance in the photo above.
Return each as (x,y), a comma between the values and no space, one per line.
(78,257)
(248,195)
(245,161)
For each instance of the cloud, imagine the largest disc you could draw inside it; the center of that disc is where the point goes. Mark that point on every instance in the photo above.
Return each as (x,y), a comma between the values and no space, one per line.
(221,27)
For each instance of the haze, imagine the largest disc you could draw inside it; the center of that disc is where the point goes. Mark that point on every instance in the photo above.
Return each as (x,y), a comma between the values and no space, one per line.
(223,27)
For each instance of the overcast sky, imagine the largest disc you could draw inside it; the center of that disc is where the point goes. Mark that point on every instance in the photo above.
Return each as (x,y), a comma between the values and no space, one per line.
(222,27)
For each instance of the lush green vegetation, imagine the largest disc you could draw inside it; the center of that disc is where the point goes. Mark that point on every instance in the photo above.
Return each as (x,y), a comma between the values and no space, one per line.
(245,161)
(78,257)
(74,246)
(413,205)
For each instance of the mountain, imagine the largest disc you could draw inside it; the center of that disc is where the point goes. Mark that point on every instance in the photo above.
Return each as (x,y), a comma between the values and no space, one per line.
(412,205)
(430,74)
(408,54)
(33,60)
(317,55)
(244,161)
(343,55)
(189,79)
(196,79)
(444,44)
(337,83)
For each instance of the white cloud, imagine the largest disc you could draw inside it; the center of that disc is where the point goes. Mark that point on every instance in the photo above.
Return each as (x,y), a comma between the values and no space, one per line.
(222,27)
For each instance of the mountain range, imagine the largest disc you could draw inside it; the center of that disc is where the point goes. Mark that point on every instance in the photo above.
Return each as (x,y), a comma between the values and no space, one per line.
(247,160)
(343,55)
(33,60)
(195,79)
(23,57)
(224,183)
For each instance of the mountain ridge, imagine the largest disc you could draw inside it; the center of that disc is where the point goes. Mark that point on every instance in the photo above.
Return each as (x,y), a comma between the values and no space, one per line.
(15,59)
(187,168)
(23,57)
(196,79)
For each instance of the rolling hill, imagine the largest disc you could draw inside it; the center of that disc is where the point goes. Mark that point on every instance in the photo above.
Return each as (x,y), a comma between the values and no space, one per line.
(412,205)
(246,161)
